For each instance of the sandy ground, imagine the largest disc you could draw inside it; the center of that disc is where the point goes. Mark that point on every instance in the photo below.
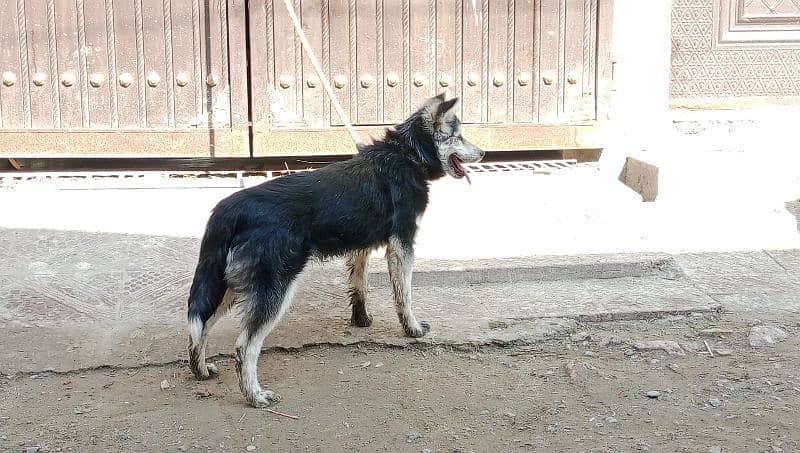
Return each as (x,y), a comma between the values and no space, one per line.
(586,392)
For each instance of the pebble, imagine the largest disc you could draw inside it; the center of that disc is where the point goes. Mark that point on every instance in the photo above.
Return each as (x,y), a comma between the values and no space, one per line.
(588,354)
(379,364)
(653,394)
(610,341)
(183,448)
(668,346)
(3,438)
(250,448)
(611,419)
(165,384)
(715,402)
(366,364)
(766,336)
(580,336)
(427,450)
(715,449)
(31,449)
(630,352)
(413,435)
(722,352)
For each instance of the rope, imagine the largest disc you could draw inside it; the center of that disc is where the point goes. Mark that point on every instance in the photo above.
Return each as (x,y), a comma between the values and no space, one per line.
(307,47)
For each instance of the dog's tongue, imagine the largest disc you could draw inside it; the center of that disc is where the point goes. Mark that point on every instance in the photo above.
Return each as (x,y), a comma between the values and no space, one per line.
(457,163)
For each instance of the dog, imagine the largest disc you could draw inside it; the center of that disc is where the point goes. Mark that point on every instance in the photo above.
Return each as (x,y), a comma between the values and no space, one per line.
(258,240)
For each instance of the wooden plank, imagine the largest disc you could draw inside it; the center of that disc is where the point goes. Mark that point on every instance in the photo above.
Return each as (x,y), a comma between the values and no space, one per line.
(185,81)
(68,64)
(524,51)
(99,90)
(131,108)
(288,69)
(472,99)
(501,137)
(261,69)
(422,48)
(124,143)
(238,79)
(341,59)
(311,86)
(549,65)
(500,53)
(366,63)
(605,23)
(44,87)
(576,38)
(11,95)
(393,54)
(446,47)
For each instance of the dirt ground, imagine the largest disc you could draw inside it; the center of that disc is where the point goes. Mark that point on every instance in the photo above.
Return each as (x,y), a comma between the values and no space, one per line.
(583,393)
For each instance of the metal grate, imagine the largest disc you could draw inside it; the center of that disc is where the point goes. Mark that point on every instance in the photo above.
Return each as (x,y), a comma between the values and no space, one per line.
(536,166)
(220,179)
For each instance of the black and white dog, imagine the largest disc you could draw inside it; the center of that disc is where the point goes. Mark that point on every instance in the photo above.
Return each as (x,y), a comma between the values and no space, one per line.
(258,240)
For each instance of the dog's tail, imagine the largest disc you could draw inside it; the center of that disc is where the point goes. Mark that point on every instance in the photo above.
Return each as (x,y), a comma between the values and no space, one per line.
(208,287)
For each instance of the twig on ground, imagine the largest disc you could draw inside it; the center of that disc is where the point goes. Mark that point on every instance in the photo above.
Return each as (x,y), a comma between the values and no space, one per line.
(293,417)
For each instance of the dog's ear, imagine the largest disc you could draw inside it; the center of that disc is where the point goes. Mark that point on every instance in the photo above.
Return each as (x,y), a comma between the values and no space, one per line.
(445,107)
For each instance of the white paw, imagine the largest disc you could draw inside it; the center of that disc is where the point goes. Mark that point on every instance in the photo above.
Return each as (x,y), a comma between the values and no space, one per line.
(212,369)
(265,398)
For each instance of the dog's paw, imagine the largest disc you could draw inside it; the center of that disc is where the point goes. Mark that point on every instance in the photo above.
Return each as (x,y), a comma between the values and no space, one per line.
(417,331)
(264,398)
(212,369)
(361,320)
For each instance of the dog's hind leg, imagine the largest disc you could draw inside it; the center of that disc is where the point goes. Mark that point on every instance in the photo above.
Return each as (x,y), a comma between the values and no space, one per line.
(197,349)
(205,297)
(400,257)
(357,273)
(264,306)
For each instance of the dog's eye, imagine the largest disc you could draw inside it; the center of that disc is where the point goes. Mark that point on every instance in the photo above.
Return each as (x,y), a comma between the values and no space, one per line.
(440,136)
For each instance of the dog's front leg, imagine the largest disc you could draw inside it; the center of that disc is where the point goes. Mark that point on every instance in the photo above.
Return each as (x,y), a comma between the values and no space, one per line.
(400,257)
(357,273)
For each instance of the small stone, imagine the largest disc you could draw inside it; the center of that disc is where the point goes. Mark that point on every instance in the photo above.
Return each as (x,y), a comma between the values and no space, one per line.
(379,364)
(673,367)
(165,384)
(427,450)
(776,449)
(413,435)
(366,364)
(610,341)
(577,371)
(588,354)
(580,336)
(81,410)
(630,352)
(715,449)
(766,336)
(715,402)
(484,412)
(654,361)
(670,347)
(183,448)
(250,448)
(722,352)
(611,419)
(3,438)
(31,449)
(509,415)
(642,446)
(653,394)
(715,332)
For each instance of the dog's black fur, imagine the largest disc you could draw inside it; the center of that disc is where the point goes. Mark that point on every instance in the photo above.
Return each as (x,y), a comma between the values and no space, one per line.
(259,239)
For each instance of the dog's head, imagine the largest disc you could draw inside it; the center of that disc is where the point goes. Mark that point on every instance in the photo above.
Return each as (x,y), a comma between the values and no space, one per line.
(434,132)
